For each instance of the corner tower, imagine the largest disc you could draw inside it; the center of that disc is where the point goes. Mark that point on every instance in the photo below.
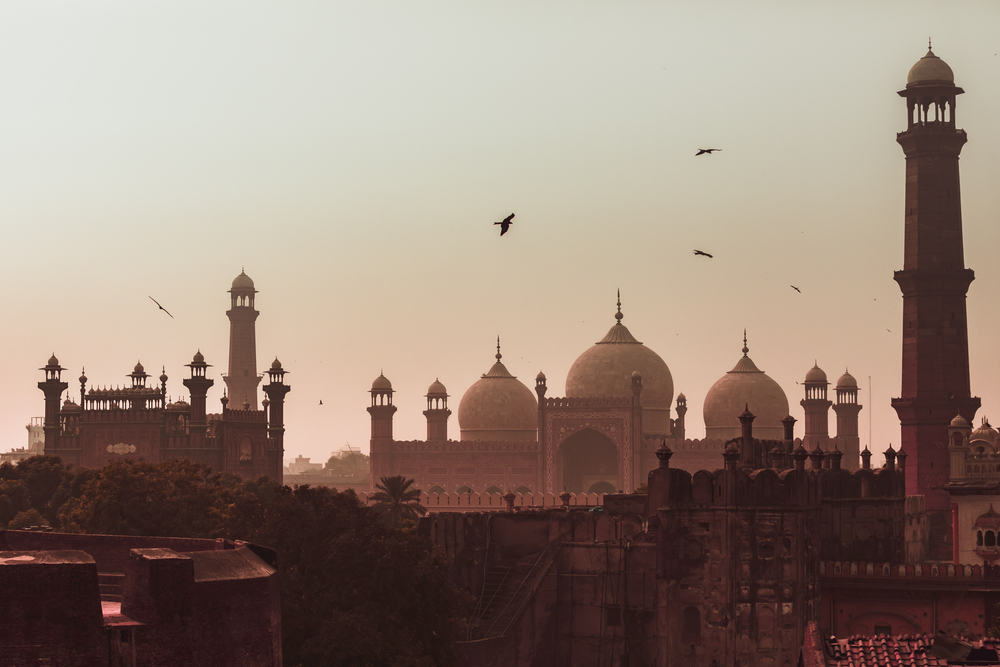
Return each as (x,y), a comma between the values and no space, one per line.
(934,282)
(242,379)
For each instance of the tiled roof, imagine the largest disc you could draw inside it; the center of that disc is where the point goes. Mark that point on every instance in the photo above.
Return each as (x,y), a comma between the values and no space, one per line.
(907,651)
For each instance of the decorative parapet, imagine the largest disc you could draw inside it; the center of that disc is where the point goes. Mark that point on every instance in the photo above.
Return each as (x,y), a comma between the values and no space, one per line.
(908,571)
(587,402)
(491,502)
(465,446)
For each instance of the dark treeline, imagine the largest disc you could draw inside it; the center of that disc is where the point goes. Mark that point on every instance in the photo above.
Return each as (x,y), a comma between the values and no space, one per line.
(354,590)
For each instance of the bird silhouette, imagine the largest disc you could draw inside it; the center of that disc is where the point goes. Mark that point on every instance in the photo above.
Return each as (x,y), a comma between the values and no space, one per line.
(796,289)
(709,151)
(321,401)
(702,253)
(505,224)
(162,308)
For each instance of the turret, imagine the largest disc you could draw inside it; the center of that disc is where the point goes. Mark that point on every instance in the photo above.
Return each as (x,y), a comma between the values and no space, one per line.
(276,389)
(52,387)
(242,378)
(817,409)
(198,384)
(847,409)
(437,411)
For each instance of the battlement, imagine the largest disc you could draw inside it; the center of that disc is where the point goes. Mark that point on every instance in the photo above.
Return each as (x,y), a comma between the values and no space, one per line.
(246,416)
(493,502)
(587,402)
(465,446)
(943,572)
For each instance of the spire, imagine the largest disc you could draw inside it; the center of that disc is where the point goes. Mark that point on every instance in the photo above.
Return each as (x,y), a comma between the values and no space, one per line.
(618,315)
(499,356)
(745,348)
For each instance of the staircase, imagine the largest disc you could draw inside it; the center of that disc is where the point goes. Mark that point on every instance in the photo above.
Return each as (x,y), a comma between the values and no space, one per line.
(111,585)
(507,590)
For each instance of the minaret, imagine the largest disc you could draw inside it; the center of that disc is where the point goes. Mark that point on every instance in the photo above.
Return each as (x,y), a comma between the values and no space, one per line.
(242,379)
(437,411)
(817,410)
(53,387)
(381,411)
(847,409)
(934,282)
(275,404)
(198,384)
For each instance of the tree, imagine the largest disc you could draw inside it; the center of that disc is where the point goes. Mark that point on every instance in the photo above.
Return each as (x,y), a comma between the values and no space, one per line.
(176,498)
(353,591)
(396,501)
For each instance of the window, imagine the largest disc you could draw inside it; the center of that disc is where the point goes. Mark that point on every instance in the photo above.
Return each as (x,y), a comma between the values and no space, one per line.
(883,630)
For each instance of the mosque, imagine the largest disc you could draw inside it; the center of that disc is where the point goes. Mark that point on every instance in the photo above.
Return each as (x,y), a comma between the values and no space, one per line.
(603,435)
(136,421)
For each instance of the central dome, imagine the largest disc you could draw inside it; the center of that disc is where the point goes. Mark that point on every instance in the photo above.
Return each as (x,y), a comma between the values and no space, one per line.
(745,387)
(605,371)
(498,407)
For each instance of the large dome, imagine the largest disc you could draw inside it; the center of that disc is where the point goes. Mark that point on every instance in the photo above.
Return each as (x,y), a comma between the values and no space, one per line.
(930,69)
(498,407)
(605,371)
(745,387)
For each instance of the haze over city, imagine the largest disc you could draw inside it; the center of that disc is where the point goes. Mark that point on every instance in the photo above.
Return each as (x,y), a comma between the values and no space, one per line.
(352,159)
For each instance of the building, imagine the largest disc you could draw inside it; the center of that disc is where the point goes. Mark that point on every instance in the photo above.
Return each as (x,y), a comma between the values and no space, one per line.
(36,443)
(136,421)
(603,435)
(126,600)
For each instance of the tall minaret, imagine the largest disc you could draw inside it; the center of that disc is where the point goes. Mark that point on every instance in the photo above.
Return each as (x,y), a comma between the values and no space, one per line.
(934,282)
(242,379)
(817,409)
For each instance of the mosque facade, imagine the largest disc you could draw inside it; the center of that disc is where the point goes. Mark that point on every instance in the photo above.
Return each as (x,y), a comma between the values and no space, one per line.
(135,421)
(601,437)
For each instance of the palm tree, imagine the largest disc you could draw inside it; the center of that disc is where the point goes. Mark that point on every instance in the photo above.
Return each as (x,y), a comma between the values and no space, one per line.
(396,500)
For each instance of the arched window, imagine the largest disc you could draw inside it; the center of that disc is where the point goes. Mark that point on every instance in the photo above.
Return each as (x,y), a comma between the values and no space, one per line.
(691,627)
(979,538)
(246,450)
(991,539)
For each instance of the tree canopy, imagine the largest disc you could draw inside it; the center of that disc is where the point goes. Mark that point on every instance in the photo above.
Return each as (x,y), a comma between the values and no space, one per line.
(397,501)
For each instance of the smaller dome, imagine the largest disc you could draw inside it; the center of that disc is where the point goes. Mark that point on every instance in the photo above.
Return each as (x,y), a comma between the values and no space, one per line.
(53,361)
(436,389)
(540,376)
(816,375)
(959,421)
(985,432)
(198,358)
(681,397)
(242,282)
(381,383)
(930,69)
(69,406)
(637,374)
(83,376)
(847,381)
(276,365)
(138,368)
(989,520)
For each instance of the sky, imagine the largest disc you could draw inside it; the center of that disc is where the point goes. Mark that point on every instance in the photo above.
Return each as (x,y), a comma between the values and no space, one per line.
(352,157)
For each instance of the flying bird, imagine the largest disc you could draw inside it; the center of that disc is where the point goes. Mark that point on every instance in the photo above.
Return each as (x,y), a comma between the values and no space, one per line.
(162,308)
(702,253)
(702,151)
(796,289)
(505,224)
(321,401)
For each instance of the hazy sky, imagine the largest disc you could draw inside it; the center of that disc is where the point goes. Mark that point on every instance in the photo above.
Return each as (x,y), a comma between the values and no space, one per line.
(353,155)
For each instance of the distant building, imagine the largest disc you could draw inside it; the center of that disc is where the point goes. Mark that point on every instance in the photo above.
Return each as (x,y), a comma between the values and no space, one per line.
(135,421)
(36,443)
(302,465)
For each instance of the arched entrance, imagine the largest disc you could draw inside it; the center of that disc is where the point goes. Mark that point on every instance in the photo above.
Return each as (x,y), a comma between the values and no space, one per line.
(588,457)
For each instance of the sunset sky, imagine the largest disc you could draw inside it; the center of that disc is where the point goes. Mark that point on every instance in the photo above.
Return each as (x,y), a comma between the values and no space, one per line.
(352,156)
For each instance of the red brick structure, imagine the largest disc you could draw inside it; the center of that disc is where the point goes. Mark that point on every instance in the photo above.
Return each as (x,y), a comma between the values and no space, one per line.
(135,421)
(934,282)
(118,600)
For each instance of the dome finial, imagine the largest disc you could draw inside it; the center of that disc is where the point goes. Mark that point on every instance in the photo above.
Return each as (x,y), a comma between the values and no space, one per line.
(498,349)
(745,348)
(618,315)
(928,43)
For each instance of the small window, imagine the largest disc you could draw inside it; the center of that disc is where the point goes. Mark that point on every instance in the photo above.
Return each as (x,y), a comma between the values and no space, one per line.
(883,630)
(991,539)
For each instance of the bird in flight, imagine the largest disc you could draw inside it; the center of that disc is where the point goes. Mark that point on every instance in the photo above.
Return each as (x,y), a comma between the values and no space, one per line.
(796,289)
(702,151)
(702,253)
(162,308)
(505,224)
(321,401)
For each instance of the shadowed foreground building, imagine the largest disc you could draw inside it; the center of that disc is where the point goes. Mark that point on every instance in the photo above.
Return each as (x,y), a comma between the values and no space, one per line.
(136,421)
(97,600)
